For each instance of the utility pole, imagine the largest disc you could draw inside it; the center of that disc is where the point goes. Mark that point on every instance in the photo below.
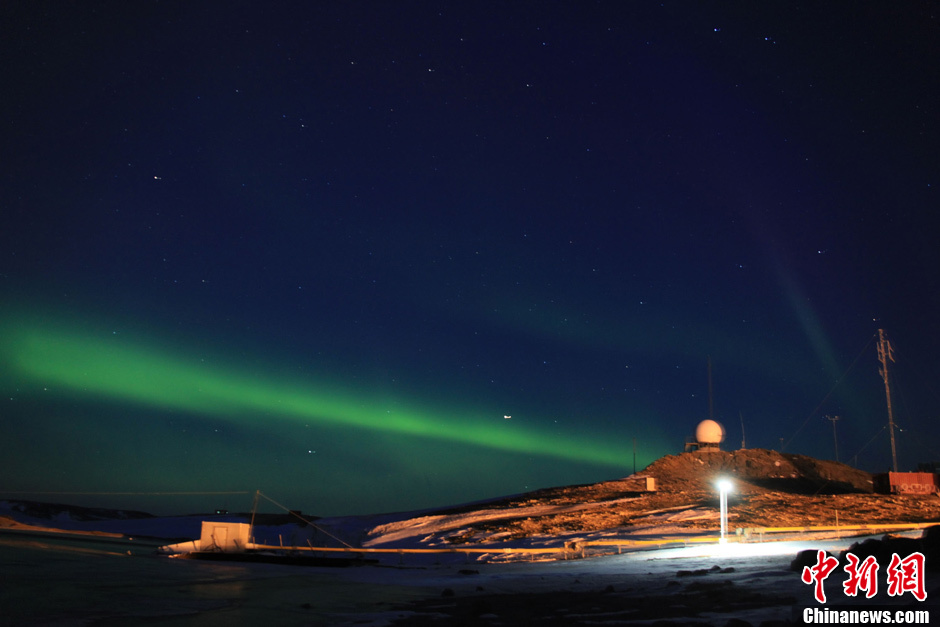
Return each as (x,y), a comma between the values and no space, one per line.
(835,440)
(886,353)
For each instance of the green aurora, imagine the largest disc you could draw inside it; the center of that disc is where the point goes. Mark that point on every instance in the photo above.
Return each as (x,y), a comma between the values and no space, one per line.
(84,364)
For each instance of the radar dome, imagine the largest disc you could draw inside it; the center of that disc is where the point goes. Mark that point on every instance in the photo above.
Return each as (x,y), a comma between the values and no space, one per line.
(709,432)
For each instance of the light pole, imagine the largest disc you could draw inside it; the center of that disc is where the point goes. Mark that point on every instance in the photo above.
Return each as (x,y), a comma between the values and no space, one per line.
(724,486)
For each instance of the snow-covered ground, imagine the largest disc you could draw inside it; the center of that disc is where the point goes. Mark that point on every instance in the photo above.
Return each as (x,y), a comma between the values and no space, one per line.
(98,578)
(409,527)
(402,530)
(434,531)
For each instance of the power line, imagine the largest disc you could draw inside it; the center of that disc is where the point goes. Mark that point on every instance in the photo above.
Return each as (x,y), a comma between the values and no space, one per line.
(823,401)
(855,457)
(297,515)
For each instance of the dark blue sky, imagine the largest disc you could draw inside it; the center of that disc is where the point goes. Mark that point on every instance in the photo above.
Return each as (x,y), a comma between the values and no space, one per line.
(450,214)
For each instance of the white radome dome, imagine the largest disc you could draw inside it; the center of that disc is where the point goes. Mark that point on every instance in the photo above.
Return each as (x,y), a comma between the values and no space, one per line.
(709,432)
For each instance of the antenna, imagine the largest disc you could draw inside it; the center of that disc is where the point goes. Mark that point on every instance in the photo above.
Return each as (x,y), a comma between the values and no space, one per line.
(743,441)
(886,353)
(634,455)
(835,440)
(254,509)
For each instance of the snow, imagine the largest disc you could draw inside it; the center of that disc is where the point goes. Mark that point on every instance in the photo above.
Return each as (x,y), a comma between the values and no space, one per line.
(614,584)
(413,530)
(399,531)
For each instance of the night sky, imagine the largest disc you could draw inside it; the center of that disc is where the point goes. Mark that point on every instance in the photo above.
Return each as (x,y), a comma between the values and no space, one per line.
(377,256)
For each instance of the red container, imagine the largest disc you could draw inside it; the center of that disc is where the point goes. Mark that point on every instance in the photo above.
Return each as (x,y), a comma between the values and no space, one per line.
(905,483)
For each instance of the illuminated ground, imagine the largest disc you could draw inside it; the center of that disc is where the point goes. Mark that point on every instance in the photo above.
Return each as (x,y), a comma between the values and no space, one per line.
(770,490)
(703,583)
(706,585)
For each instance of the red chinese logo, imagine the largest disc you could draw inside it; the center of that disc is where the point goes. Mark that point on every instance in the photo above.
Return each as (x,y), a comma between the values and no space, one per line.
(907,575)
(862,577)
(817,574)
(904,575)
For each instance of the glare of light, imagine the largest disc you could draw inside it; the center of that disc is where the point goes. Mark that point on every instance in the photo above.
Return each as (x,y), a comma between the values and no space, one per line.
(738,548)
(724,486)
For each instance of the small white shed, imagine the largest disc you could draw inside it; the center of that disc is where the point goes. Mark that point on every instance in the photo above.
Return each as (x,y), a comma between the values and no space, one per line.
(224,536)
(640,483)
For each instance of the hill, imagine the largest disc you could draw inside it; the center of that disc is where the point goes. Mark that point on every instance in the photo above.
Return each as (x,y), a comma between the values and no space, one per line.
(771,489)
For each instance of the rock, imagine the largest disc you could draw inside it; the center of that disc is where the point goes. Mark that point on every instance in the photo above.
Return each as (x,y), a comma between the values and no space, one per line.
(882,549)
(805,558)
(930,544)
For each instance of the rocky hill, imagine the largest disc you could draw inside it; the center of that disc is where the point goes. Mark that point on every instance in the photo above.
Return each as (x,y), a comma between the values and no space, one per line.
(756,470)
(771,489)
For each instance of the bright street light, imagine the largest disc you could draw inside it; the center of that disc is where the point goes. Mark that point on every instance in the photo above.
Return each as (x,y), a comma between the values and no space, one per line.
(724,486)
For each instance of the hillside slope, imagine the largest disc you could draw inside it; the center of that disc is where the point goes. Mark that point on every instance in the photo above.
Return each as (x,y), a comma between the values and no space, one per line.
(772,489)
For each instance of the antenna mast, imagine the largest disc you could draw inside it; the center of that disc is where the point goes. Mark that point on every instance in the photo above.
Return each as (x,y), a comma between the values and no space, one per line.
(254,509)
(835,439)
(886,353)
